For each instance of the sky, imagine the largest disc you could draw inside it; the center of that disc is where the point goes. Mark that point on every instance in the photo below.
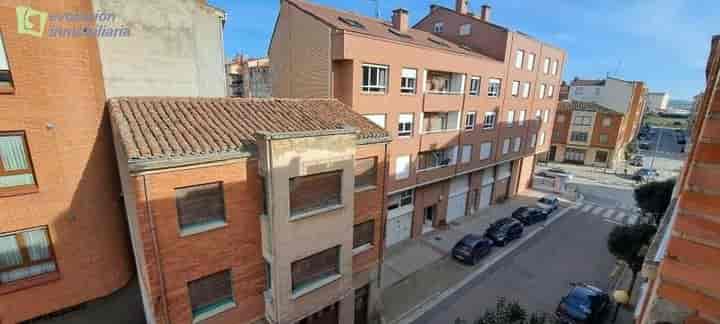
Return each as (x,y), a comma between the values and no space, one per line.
(662,42)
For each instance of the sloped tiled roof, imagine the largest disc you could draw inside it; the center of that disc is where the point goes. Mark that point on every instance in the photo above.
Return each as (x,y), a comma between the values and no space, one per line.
(165,128)
(586,106)
(378,28)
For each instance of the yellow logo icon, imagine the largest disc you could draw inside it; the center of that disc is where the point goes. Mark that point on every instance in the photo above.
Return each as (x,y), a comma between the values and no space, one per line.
(30,21)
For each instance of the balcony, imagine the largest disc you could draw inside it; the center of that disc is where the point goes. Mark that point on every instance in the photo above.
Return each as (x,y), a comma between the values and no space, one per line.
(443,90)
(435,159)
(437,122)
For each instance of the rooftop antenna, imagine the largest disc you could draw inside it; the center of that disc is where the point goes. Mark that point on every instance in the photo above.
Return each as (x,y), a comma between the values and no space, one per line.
(377,8)
(619,66)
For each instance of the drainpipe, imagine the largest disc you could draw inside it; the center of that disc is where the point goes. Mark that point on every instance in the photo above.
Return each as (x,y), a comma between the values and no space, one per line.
(156,250)
(383,220)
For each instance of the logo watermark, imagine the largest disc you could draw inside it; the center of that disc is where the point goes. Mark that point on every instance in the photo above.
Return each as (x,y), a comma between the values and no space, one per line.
(69,25)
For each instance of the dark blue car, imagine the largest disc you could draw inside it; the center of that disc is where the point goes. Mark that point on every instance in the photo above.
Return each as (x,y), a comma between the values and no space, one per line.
(472,248)
(583,304)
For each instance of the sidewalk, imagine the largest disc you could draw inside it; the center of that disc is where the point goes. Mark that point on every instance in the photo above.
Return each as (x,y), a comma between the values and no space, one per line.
(626,314)
(417,271)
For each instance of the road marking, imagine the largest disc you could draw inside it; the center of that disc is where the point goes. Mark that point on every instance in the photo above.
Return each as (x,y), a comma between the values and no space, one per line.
(612,222)
(608,213)
(633,219)
(597,210)
(587,208)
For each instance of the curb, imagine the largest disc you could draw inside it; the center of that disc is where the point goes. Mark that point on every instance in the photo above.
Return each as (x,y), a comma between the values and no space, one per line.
(423,307)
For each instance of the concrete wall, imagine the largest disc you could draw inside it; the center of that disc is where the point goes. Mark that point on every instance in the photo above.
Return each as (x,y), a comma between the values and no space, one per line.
(658,101)
(58,102)
(175,48)
(615,94)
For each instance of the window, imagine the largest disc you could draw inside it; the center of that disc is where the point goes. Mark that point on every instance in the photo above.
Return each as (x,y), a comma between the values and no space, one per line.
(494,87)
(604,139)
(208,295)
(531,61)
(541,91)
(560,118)
(546,65)
(465,29)
(363,234)
(315,268)
(506,146)
(5,78)
(519,58)
(402,167)
(607,121)
(521,118)
(200,205)
(556,134)
(546,115)
(517,144)
(405,124)
(510,118)
(601,156)
(542,138)
(466,153)
(470,120)
(538,114)
(438,27)
(365,172)
(554,67)
(485,150)
(579,136)
(526,90)
(408,81)
(550,91)
(579,91)
(374,78)
(399,200)
(351,22)
(489,121)
(440,121)
(443,82)
(515,90)
(378,119)
(575,155)
(533,140)
(25,254)
(582,121)
(474,86)
(15,166)
(313,192)
(437,158)
(268,276)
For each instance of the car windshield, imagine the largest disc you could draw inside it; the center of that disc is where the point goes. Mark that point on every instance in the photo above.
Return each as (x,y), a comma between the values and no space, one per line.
(546,200)
(500,223)
(470,240)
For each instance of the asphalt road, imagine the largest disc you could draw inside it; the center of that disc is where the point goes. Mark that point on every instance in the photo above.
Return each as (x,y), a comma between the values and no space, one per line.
(667,138)
(538,274)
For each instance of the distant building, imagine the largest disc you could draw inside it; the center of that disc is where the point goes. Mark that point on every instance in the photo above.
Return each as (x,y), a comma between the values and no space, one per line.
(249,78)
(657,101)
(564,92)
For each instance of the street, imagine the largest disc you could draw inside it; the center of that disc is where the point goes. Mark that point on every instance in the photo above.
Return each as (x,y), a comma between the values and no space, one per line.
(538,274)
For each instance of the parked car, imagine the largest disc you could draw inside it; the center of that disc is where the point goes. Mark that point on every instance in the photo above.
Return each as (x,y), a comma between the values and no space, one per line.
(555,172)
(548,204)
(645,174)
(471,248)
(504,230)
(584,303)
(530,215)
(636,160)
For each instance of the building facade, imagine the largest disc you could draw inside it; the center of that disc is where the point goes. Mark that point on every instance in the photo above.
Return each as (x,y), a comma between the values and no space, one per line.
(249,78)
(467,114)
(63,237)
(589,134)
(657,101)
(268,186)
(681,267)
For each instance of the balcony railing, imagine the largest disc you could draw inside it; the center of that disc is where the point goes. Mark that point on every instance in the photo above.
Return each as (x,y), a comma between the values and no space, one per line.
(444,83)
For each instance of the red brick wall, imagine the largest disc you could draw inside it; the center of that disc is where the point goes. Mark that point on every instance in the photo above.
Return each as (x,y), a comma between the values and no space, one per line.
(369,206)
(236,246)
(613,131)
(59,102)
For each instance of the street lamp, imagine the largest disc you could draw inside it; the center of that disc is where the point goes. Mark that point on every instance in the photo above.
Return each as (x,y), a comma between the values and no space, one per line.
(657,145)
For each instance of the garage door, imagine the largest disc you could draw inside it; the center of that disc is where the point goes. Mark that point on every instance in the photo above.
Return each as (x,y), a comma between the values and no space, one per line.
(485,196)
(398,228)
(457,199)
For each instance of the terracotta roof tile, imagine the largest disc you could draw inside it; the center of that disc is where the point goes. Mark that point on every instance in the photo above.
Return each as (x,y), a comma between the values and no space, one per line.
(156,128)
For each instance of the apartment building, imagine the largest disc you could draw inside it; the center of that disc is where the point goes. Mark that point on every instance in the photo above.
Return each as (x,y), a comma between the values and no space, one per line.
(589,134)
(245,209)
(466,115)
(626,97)
(63,237)
(681,283)
(657,101)
(249,78)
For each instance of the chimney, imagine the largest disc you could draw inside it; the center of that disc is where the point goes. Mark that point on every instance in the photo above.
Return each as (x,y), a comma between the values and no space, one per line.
(461,6)
(400,20)
(485,13)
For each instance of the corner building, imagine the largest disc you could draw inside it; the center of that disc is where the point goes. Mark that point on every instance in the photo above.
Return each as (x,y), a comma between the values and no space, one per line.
(468,104)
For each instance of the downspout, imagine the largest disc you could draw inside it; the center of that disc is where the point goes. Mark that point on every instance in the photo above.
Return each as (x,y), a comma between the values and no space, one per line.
(383,219)
(156,250)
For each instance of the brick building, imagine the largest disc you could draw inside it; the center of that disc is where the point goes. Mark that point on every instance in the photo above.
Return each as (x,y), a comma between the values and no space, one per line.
(588,133)
(63,237)
(468,103)
(249,78)
(245,209)
(681,266)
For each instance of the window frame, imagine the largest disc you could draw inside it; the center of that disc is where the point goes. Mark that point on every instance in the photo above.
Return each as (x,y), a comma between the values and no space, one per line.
(438,27)
(409,164)
(365,245)
(368,88)
(607,122)
(26,259)
(510,118)
(209,224)
(465,29)
(485,120)
(506,146)
(515,89)
(470,115)
(301,288)
(607,156)
(4,55)
(402,132)
(474,87)
(404,89)
(374,181)
(21,189)
(526,89)
(575,136)
(494,87)
(469,154)
(554,67)
(519,58)
(530,65)
(550,91)
(605,136)
(221,304)
(517,144)
(310,211)
(489,152)
(546,66)
(541,91)
(521,117)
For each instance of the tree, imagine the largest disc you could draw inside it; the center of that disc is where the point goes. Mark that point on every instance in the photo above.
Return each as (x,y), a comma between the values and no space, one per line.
(654,198)
(510,313)
(629,244)
(630,150)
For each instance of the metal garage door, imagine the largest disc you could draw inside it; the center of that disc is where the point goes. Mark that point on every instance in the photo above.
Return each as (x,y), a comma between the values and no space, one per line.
(457,199)
(485,196)
(398,228)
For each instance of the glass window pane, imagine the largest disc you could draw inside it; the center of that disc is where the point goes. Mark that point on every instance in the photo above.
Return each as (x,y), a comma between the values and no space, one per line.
(12,152)
(37,244)
(9,252)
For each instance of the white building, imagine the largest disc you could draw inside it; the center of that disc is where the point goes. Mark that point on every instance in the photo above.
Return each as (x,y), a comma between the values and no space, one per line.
(613,93)
(657,101)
